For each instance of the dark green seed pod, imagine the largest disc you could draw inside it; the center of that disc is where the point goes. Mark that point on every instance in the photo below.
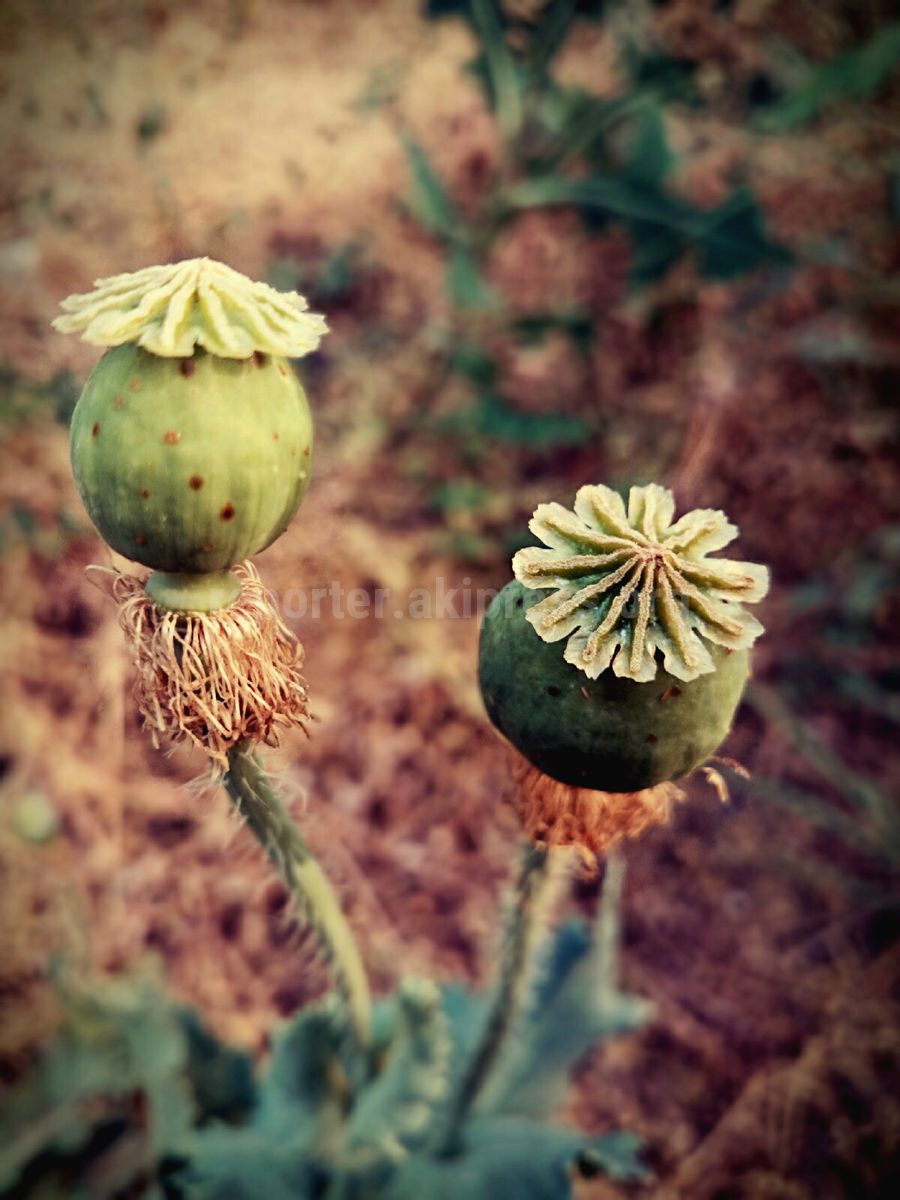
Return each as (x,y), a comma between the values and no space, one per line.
(610,733)
(657,640)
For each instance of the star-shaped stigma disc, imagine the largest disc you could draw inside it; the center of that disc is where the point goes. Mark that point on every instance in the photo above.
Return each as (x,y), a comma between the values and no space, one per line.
(628,583)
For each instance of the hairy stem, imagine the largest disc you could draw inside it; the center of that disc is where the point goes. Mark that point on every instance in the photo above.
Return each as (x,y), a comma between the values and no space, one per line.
(520,937)
(255,799)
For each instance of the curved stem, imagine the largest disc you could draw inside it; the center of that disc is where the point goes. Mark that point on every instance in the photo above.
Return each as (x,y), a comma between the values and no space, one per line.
(520,936)
(255,799)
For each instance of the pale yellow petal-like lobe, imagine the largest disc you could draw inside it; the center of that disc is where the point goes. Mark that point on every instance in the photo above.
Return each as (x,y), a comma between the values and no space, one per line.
(700,532)
(631,587)
(172,309)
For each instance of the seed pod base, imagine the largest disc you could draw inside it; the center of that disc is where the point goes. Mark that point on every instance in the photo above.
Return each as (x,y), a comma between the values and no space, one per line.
(610,734)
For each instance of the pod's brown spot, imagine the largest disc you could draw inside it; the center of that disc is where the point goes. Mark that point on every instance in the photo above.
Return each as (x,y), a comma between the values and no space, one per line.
(671,693)
(145,493)
(172,437)
(281,370)
(95,429)
(118,402)
(140,539)
(652,739)
(227,511)
(187,367)
(259,358)
(306,452)
(276,437)
(585,693)
(196,482)
(293,451)
(134,384)
(206,547)
(552,690)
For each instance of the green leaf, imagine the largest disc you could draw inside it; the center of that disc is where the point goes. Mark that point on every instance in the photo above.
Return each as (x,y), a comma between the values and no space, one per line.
(728,240)
(302,1083)
(245,1164)
(506,81)
(474,364)
(431,202)
(495,419)
(655,248)
(468,288)
(649,159)
(523,1160)
(533,327)
(571,1012)
(221,1077)
(436,9)
(117,1040)
(394,1110)
(732,240)
(850,76)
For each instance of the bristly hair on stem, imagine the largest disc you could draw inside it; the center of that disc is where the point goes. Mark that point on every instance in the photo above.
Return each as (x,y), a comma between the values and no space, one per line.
(258,804)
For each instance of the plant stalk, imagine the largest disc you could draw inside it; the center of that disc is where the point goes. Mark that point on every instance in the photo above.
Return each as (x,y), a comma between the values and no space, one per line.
(521,935)
(257,802)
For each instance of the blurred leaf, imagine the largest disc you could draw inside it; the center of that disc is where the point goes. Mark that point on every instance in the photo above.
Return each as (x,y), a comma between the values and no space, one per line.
(649,158)
(732,238)
(431,202)
(303,1085)
(459,494)
(468,288)
(491,417)
(532,328)
(393,1112)
(474,364)
(521,1160)
(728,240)
(655,249)
(576,1003)
(465,1012)
(151,123)
(850,76)
(670,78)
(245,1164)
(117,1041)
(435,9)
(506,81)
(338,273)
(221,1076)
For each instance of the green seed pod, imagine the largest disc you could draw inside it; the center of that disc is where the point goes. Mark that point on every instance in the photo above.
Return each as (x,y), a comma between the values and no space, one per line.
(606,714)
(609,733)
(192,441)
(193,464)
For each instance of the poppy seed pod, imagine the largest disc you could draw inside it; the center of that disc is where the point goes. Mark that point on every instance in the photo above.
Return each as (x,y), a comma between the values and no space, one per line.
(192,440)
(191,448)
(657,649)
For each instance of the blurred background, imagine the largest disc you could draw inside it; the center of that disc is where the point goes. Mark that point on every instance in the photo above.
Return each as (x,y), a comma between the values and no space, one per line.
(557,243)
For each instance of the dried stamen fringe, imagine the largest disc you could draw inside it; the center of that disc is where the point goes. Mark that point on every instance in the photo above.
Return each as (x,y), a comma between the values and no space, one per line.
(213,678)
(590,822)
